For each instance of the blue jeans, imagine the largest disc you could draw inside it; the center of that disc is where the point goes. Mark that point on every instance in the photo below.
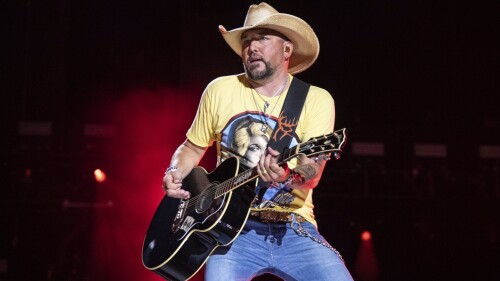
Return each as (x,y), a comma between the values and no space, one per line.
(291,251)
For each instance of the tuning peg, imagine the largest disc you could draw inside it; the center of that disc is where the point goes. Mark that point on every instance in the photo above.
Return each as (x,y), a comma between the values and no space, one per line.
(322,158)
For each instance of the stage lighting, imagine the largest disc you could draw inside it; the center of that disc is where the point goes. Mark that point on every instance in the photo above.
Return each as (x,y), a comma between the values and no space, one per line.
(366,235)
(366,267)
(430,150)
(28,128)
(99,130)
(99,175)
(489,151)
(368,149)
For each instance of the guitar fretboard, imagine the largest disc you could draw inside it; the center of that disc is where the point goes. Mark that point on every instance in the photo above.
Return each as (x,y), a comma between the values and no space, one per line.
(313,146)
(235,182)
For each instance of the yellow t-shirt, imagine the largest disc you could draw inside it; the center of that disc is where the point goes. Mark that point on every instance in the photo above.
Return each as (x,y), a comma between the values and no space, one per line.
(234,116)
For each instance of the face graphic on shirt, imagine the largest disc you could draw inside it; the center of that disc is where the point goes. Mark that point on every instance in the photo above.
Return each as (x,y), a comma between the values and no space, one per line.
(256,147)
(247,139)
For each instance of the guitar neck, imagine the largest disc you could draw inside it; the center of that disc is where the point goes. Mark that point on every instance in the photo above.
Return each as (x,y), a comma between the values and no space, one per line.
(251,174)
(333,142)
(233,183)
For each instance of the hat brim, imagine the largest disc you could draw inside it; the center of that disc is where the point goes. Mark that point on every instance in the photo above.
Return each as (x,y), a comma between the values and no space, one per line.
(305,42)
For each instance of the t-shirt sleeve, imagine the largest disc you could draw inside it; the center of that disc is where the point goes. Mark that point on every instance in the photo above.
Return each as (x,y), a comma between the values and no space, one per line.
(201,132)
(320,114)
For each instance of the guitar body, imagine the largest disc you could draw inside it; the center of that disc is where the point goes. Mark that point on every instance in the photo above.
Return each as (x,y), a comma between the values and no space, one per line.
(183,233)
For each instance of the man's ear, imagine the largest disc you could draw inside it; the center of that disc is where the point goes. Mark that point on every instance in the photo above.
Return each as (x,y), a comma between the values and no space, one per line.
(287,50)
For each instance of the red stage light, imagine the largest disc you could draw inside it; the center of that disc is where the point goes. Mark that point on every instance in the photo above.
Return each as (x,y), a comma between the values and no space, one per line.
(366,235)
(366,266)
(99,175)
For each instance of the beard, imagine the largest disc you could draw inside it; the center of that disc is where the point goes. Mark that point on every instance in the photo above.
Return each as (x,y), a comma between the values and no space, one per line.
(257,75)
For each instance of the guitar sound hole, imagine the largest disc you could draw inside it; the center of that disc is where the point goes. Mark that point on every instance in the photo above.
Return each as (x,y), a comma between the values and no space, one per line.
(204,203)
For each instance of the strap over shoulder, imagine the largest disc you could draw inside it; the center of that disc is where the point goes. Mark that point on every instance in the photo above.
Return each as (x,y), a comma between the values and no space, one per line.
(289,115)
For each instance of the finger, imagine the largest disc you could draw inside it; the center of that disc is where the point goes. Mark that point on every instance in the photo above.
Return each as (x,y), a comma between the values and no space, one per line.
(178,193)
(176,176)
(168,181)
(273,152)
(268,161)
(263,174)
(276,175)
(172,187)
(184,193)
(275,172)
(261,171)
(261,160)
(271,166)
(272,157)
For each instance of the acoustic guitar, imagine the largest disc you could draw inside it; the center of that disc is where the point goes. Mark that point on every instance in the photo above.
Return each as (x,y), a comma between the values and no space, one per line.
(184,232)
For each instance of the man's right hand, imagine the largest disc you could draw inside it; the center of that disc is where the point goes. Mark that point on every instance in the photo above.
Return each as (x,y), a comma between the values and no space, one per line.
(172,184)
(189,155)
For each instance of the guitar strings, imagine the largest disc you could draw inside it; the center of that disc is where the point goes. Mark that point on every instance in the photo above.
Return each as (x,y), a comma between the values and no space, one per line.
(229,184)
(213,189)
(226,186)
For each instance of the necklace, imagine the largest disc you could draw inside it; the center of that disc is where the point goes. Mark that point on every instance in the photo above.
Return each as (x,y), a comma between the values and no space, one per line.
(267,104)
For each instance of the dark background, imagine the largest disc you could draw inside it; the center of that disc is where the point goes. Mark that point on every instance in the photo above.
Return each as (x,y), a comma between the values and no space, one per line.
(401,73)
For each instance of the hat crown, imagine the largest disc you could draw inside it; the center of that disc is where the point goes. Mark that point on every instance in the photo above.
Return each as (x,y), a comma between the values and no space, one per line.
(257,13)
(305,42)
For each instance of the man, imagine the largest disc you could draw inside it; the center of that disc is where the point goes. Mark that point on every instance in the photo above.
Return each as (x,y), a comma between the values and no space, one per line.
(280,235)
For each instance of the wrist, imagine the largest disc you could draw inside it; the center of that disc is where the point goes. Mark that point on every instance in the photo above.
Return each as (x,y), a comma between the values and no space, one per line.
(170,169)
(286,174)
(294,178)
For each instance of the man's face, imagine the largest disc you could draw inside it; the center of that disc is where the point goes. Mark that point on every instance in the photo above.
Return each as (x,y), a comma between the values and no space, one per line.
(262,52)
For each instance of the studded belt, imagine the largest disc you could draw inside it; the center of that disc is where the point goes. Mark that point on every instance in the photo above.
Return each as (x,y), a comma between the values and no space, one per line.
(274,216)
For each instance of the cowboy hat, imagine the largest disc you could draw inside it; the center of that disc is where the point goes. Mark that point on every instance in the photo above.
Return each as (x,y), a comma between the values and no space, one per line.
(305,42)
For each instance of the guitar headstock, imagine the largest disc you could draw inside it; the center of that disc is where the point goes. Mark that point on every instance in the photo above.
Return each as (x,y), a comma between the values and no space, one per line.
(332,143)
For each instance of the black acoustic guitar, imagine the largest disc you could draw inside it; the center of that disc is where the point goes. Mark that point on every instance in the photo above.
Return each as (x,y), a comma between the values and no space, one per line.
(184,232)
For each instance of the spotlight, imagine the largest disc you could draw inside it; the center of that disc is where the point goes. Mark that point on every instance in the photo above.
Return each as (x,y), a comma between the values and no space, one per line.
(99,175)
(366,235)
(366,266)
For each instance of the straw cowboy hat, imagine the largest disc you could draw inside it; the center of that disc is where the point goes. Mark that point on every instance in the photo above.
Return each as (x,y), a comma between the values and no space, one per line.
(305,42)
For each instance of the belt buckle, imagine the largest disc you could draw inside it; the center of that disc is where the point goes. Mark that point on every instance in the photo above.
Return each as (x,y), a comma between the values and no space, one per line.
(274,216)
(271,216)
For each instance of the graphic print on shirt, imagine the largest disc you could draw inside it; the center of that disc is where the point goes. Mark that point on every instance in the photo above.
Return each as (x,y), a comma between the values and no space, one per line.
(246,137)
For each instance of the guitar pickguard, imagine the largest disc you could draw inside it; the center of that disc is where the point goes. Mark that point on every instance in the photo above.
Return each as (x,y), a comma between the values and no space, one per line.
(187,223)
(180,215)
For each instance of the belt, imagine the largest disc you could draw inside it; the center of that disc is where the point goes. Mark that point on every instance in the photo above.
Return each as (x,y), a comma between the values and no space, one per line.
(274,216)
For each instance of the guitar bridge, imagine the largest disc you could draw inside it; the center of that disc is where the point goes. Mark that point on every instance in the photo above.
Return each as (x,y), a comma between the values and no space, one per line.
(181,210)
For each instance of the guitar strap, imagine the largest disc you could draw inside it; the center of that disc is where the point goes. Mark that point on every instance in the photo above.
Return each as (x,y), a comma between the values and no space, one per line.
(287,121)
(289,115)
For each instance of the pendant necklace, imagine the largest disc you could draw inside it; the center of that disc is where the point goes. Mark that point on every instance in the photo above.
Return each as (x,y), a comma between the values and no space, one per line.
(267,104)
